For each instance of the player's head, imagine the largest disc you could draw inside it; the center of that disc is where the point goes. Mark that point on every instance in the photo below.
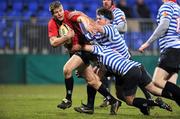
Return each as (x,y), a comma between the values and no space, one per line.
(107,3)
(57,10)
(169,0)
(104,16)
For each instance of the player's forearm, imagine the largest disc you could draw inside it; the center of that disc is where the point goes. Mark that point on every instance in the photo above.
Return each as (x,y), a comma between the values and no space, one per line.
(55,41)
(122,27)
(159,31)
(87,48)
(84,20)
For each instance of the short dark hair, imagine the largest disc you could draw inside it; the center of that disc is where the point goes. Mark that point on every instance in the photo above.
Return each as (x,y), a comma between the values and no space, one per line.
(53,5)
(105,12)
(112,2)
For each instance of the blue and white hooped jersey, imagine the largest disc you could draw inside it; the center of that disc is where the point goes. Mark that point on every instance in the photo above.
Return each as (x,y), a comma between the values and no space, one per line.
(171,39)
(113,60)
(112,39)
(119,17)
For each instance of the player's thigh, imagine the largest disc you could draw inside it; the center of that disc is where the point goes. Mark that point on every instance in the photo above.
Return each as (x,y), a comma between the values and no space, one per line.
(87,72)
(160,77)
(74,62)
(153,89)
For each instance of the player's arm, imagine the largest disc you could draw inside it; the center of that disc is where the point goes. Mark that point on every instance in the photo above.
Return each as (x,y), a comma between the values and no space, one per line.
(159,31)
(120,22)
(122,26)
(54,38)
(56,41)
(88,23)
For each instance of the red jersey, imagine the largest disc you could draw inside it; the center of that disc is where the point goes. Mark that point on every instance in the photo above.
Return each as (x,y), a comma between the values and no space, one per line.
(53,27)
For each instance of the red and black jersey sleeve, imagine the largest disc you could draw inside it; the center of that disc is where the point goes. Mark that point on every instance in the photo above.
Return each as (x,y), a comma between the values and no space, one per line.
(52,28)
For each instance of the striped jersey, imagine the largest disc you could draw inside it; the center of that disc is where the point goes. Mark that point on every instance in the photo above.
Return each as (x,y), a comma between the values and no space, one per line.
(119,17)
(113,60)
(171,39)
(118,14)
(112,39)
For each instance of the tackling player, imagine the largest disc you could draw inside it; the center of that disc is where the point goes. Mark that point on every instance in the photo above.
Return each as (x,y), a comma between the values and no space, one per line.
(131,71)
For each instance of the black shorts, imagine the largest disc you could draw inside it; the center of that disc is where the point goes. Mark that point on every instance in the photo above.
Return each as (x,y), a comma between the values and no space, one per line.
(86,56)
(136,76)
(170,60)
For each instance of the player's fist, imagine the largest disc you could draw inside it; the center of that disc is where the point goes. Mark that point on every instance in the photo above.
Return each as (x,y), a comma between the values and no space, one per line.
(143,47)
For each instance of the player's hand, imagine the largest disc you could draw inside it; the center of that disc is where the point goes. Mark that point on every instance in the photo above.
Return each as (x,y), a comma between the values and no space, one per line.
(143,47)
(70,34)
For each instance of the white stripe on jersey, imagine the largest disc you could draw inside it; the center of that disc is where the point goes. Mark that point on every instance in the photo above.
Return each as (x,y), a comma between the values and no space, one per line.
(171,39)
(112,39)
(113,60)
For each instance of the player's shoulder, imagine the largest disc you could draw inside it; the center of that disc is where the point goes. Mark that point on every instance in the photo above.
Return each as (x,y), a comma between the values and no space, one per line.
(66,13)
(118,11)
(109,26)
(167,5)
(51,22)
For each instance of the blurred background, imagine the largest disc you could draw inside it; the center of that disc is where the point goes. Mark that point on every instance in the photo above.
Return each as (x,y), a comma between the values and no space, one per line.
(26,56)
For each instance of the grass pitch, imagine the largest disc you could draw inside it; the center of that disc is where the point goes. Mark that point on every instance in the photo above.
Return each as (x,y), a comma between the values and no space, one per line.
(39,102)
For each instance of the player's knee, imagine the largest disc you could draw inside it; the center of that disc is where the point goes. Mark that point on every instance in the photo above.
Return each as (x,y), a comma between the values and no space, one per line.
(129,100)
(93,83)
(157,83)
(67,72)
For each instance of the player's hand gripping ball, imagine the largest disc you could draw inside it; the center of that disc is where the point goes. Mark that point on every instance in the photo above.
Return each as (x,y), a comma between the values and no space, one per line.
(63,30)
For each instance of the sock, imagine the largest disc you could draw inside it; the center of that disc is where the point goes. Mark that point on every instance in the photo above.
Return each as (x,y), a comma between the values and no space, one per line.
(171,91)
(69,87)
(146,93)
(91,92)
(173,88)
(166,94)
(107,82)
(103,91)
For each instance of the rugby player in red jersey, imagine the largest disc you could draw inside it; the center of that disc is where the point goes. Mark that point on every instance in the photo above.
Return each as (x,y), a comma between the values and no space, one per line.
(78,60)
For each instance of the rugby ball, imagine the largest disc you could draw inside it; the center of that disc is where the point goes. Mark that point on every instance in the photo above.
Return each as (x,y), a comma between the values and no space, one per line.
(63,30)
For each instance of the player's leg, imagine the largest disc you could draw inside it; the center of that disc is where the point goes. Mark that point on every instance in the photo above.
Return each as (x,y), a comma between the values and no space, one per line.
(94,80)
(137,75)
(168,67)
(160,77)
(173,78)
(91,93)
(146,93)
(89,107)
(74,62)
(107,82)
(145,81)
(170,90)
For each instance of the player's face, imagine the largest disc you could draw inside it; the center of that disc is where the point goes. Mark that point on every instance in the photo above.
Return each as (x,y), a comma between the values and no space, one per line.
(100,20)
(59,13)
(107,4)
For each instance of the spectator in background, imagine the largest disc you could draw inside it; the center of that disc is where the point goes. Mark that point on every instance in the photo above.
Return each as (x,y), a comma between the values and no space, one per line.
(31,31)
(141,10)
(122,4)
